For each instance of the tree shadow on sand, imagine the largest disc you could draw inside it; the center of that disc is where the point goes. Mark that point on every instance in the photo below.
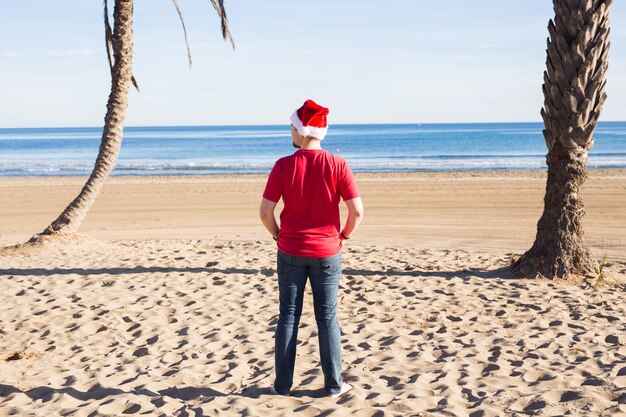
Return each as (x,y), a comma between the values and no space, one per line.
(497,273)
(503,272)
(132,270)
(198,394)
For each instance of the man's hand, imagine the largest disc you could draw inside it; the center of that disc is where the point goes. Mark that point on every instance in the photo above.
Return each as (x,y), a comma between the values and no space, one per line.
(266,213)
(355,215)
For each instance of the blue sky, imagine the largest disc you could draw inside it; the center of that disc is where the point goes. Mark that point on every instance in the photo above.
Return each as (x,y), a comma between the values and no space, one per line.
(397,61)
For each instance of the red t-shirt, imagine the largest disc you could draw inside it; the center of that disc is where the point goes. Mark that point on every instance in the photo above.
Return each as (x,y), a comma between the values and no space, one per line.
(311,183)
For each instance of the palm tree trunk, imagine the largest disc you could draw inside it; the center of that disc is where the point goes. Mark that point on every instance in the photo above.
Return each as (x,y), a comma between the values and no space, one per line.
(573,89)
(560,249)
(111,142)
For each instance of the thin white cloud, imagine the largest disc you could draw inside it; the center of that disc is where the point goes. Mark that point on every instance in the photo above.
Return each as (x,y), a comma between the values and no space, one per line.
(84,52)
(488,46)
(12,54)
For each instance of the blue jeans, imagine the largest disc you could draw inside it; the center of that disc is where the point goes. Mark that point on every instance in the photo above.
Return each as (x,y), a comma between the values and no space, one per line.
(324,274)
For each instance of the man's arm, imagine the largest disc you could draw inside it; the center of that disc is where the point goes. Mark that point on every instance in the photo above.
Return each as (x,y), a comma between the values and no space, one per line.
(266,212)
(355,215)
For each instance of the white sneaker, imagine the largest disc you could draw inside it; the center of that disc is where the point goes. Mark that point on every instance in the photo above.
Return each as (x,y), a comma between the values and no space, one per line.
(345,387)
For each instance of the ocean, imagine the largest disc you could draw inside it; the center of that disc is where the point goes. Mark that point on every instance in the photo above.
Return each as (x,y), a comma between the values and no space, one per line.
(184,150)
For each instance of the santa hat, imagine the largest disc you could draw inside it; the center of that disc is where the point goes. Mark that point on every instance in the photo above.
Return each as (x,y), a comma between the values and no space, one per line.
(310,120)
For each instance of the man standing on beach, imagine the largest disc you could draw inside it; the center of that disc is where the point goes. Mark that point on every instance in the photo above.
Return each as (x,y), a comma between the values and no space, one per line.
(311,183)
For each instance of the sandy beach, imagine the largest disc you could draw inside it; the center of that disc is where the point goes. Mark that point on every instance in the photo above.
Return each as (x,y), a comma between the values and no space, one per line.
(168,303)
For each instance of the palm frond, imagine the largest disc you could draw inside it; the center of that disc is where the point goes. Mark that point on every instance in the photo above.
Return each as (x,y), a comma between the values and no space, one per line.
(182,22)
(218,5)
(134,81)
(108,35)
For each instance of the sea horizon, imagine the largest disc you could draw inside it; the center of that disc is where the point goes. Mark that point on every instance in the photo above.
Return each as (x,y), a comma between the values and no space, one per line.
(287,124)
(253,149)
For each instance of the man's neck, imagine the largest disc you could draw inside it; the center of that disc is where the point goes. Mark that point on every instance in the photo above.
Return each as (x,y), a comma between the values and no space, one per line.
(311,144)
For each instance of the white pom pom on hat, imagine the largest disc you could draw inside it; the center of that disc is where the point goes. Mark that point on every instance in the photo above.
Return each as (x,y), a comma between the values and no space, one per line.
(310,120)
